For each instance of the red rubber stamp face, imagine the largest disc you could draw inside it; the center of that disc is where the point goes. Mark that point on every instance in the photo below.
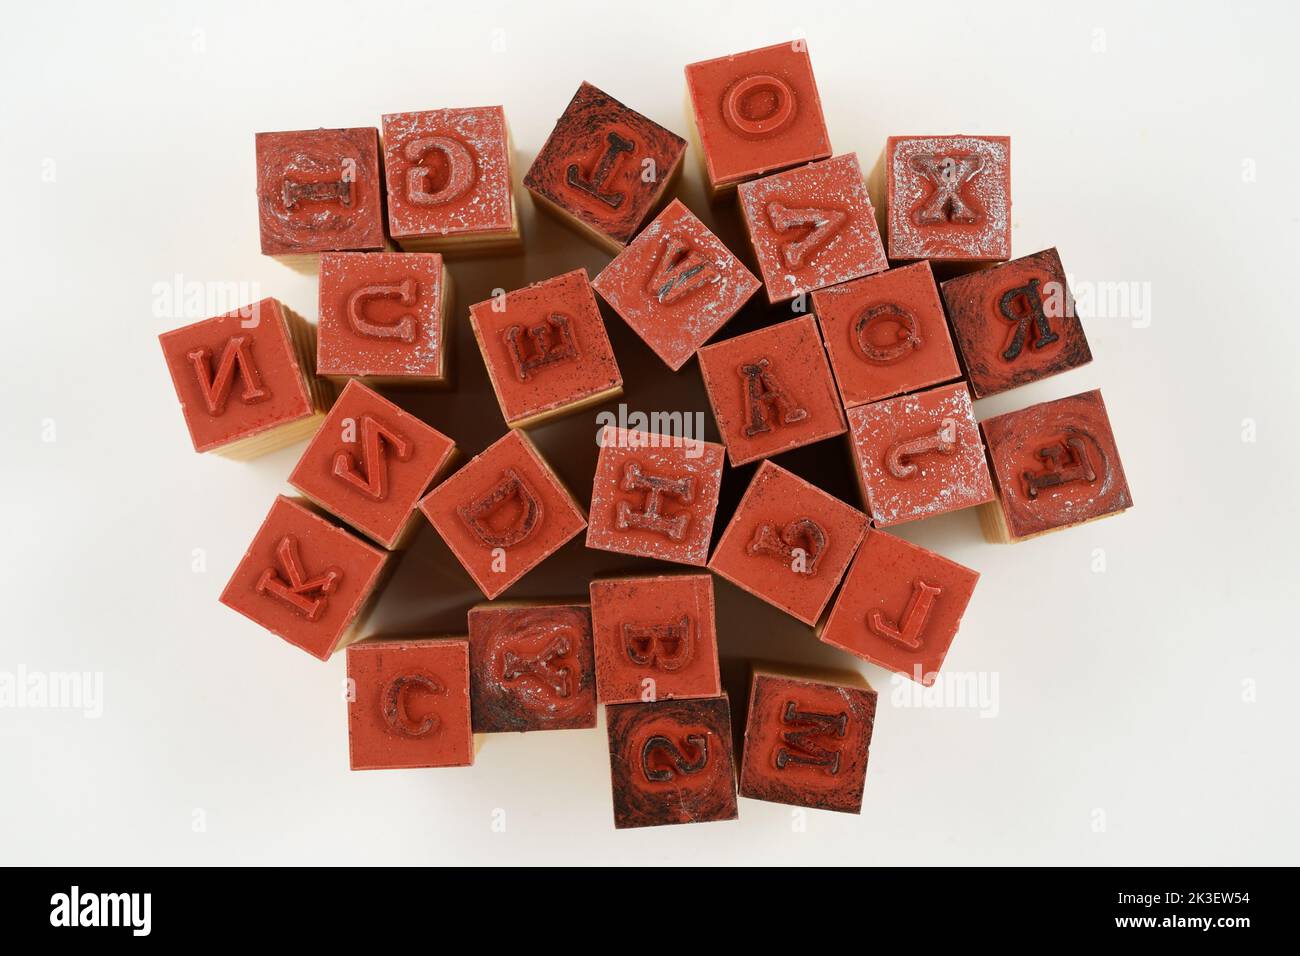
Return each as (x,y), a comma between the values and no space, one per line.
(789,543)
(676,284)
(900,606)
(370,463)
(319,190)
(448,174)
(545,348)
(772,390)
(757,112)
(886,334)
(304,579)
(605,165)
(381,316)
(806,742)
(671,762)
(531,668)
(655,496)
(655,637)
(1055,465)
(1015,323)
(238,374)
(919,455)
(409,704)
(503,513)
(812,227)
(949,197)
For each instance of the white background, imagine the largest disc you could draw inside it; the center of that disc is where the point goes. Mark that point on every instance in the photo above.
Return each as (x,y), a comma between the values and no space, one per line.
(1146,713)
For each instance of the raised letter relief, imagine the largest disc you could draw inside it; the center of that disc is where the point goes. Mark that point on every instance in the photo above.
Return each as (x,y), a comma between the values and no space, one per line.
(759,105)
(661,744)
(762,390)
(650,517)
(908,630)
(547,665)
(404,328)
(374,436)
(806,750)
(460,170)
(476,513)
(393,703)
(339,191)
(824,222)
(947,174)
(1063,462)
(1032,312)
(306,595)
(803,534)
(667,647)
(592,187)
(681,271)
(942,442)
(216,386)
(907,337)
(543,352)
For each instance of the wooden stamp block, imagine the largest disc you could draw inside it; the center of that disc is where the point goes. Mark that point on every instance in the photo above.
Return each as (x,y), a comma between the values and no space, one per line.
(531,667)
(546,349)
(900,606)
(812,227)
(305,579)
(886,334)
(789,543)
(1055,464)
(370,463)
(319,190)
(676,284)
(656,638)
(604,167)
(246,381)
(655,496)
(448,178)
(919,455)
(946,198)
(756,113)
(503,513)
(671,762)
(383,318)
(1015,323)
(807,738)
(408,705)
(772,390)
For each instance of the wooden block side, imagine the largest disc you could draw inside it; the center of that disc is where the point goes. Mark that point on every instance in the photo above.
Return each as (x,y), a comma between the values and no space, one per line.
(841,677)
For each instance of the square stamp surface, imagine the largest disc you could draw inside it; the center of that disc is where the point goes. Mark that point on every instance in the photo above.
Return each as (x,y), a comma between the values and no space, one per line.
(676,284)
(531,667)
(789,543)
(949,197)
(503,513)
(919,455)
(409,705)
(757,112)
(812,227)
(671,761)
(772,390)
(656,637)
(655,496)
(1055,464)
